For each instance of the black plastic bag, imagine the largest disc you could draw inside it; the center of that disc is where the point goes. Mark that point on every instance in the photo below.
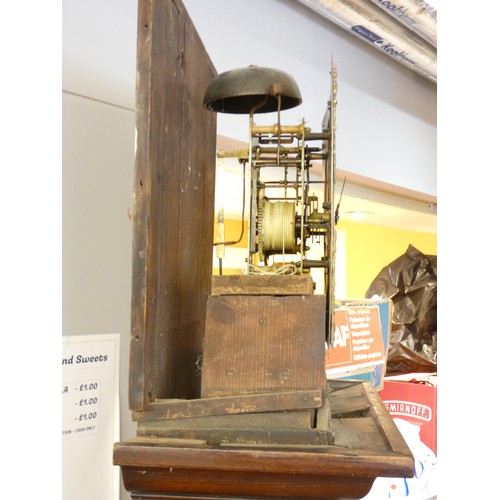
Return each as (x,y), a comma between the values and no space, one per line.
(410,282)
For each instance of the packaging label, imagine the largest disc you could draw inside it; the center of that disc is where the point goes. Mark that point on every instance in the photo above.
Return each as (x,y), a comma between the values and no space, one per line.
(383,45)
(357,340)
(409,409)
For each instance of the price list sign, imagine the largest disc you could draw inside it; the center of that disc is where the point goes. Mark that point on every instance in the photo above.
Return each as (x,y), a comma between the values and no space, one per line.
(90,417)
(82,397)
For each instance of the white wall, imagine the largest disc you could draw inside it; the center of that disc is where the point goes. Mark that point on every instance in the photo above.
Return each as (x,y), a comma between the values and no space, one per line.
(99,49)
(98,167)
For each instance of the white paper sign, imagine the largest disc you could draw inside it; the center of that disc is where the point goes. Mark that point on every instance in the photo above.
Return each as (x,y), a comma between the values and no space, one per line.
(90,416)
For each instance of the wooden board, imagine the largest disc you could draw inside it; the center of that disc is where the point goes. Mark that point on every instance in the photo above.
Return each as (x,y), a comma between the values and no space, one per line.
(263,344)
(198,483)
(350,401)
(372,427)
(215,436)
(173,205)
(231,405)
(279,419)
(277,427)
(262,285)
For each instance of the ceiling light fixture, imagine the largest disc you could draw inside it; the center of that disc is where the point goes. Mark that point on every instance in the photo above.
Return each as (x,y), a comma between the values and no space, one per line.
(359,214)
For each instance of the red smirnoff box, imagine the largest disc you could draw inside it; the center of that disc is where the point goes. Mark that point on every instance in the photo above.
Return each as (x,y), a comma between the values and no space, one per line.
(414,399)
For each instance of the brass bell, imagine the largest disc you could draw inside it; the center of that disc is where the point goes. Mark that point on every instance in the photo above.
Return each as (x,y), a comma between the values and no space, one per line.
(253,89)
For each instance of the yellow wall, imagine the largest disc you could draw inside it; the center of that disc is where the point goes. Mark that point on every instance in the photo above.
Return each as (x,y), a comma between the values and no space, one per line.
(232,232)
(370,248)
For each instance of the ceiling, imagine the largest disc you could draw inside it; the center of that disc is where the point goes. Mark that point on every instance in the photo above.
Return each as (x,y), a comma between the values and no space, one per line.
(390,211)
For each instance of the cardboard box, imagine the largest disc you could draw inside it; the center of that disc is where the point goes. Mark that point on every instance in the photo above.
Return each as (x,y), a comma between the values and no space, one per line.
(359,351)
(414,399)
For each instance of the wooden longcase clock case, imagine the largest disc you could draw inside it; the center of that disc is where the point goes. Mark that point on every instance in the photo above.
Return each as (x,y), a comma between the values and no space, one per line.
(171,287)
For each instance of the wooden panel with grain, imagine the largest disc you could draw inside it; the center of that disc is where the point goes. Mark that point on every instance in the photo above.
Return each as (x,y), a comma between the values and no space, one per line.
(263,344)
(173,205)
(148,483)
(279,419)
(232,405)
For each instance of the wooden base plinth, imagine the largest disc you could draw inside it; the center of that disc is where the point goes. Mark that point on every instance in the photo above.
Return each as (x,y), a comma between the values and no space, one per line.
(366,445)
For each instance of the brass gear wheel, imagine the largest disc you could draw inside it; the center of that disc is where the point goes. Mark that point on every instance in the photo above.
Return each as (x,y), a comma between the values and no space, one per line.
(260,214)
